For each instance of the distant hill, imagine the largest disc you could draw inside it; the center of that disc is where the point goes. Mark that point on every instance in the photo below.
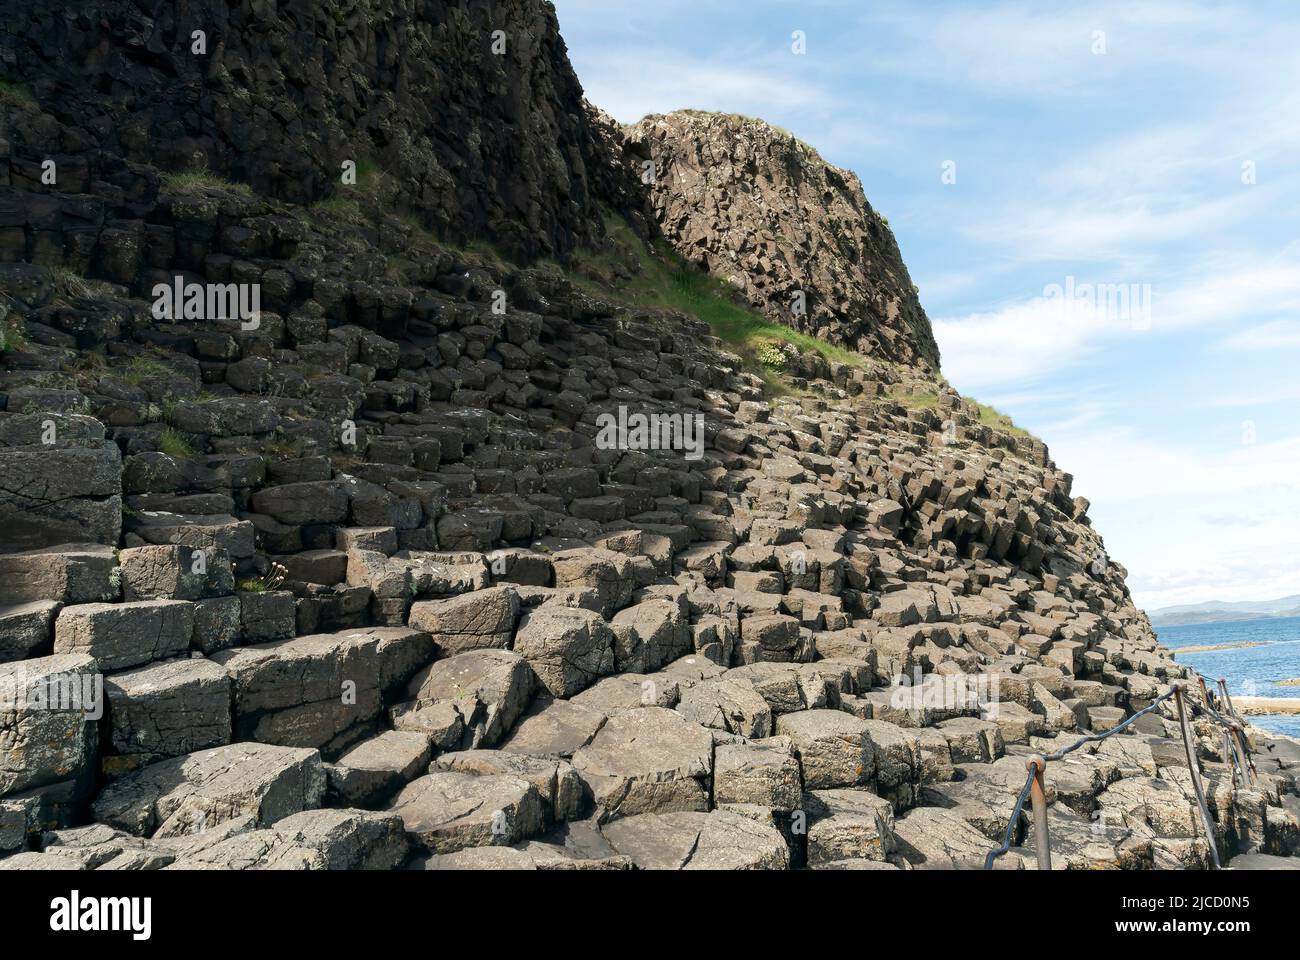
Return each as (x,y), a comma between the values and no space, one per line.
(1215,611)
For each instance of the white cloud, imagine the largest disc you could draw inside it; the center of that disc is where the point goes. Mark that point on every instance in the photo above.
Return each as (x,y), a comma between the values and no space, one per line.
(1274,335)
(1192,525)
(1015,344)
(1026,341)
(628,84)
(1120,465)
(1247,574)
(1254,398)
(1121,226)
(1029,51)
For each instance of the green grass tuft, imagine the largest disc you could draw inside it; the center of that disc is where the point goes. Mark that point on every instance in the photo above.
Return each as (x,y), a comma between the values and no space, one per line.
(337,206)
(994,418)
(13,338)
(139,369)
(925,400)
(487,253)
(176,444)
(196,181)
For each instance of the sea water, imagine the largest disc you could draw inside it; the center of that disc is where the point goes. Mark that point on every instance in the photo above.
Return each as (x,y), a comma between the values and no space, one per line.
(1250,671)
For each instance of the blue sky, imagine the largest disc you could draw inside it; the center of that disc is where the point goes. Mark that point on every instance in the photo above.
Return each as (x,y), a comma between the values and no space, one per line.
(1110,143)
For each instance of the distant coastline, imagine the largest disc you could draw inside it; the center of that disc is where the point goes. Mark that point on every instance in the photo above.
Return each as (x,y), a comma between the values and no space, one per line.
(1210,616)
(1218,611)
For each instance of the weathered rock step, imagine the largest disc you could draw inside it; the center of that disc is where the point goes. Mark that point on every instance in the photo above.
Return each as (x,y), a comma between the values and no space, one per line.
(322,690)
(308,840)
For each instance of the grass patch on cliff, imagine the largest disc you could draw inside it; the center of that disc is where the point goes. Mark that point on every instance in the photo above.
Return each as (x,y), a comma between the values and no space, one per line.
(740,117)
(992,417)
(176,444)
(196,181)
(988,416)
(664,279)
(924,400)
(337,206)
(140,368)
(13,338)
(69,283)
(487,255)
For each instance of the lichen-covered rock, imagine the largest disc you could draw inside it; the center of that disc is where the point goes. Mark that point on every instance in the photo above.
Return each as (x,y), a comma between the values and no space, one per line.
(934,839)
(487,689)
(201,790)
(67,573)
(473,621)
(310,840)
(834,748)
(120,635)
(848,825)
(554,728)
(49,708)
(764,773)
(322,690)
(729,705)
(27,629)
(376,768)
(168,709)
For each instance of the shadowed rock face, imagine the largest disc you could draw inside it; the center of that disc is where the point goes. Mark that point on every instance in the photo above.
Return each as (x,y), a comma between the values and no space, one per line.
(473,142)
(756,207)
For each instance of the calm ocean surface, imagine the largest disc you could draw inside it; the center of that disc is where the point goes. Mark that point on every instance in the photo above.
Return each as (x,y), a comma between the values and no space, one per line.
(1251,671)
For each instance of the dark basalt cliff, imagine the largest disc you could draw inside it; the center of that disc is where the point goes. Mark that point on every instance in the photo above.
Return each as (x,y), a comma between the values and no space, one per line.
(476,143)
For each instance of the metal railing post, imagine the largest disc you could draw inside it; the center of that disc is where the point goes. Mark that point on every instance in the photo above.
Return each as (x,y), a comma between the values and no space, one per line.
(1230,758)
(1194,764)
(1245,762)
(1038,797)
(1205,693)
(1227,698)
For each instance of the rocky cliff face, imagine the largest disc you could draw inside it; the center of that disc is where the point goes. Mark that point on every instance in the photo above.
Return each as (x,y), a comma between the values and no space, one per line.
(469,110)
(754,206)
(401,571)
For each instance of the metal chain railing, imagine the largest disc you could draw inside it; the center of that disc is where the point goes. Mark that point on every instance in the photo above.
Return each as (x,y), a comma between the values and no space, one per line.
(1011,824)
(1037,766)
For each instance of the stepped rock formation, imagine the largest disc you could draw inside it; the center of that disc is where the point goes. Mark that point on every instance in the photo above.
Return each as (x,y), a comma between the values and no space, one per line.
(369,580)
(754,206)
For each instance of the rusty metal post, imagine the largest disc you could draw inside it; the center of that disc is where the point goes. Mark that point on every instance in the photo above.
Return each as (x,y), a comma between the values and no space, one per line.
(1244,759)
(1205,694)
(1227,699)
(1230,758)
(1038,797)
(1194,765)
